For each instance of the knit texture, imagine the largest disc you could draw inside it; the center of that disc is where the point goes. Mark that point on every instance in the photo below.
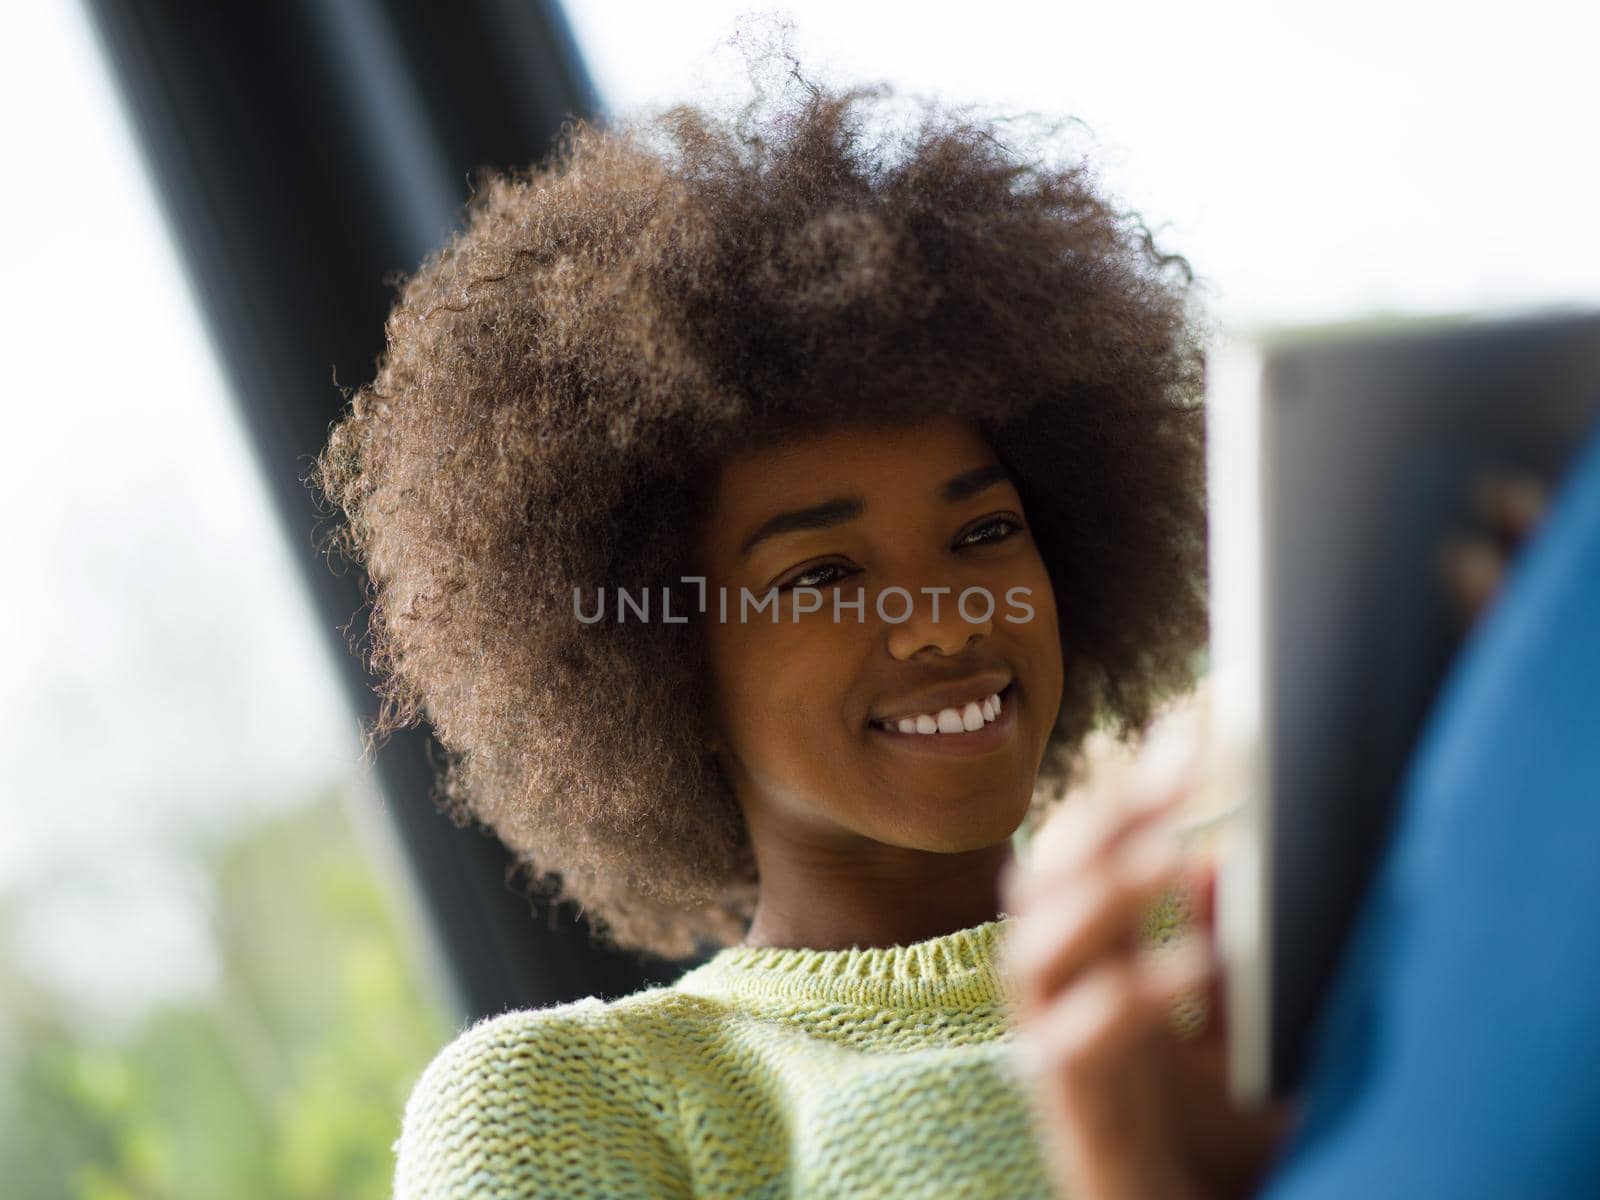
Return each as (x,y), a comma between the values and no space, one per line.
(765,1072)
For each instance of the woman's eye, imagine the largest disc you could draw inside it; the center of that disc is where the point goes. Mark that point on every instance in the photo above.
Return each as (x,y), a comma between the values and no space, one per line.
(1005,525)
(800,579)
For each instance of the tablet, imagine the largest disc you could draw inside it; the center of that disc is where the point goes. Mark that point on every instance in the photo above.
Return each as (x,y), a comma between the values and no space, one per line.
(1338,462)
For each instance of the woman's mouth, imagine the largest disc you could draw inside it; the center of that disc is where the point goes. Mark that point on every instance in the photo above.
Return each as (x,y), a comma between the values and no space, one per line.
(951,734)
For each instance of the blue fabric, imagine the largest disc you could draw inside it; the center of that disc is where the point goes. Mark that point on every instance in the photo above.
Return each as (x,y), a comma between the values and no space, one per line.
(1459,1052)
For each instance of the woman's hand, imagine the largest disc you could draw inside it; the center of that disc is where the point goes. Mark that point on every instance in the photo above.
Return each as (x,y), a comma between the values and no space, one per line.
(1509,507)
(1128,1106)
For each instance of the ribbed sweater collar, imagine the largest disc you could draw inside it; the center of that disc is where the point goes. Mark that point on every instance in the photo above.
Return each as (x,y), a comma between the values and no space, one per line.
(954,970)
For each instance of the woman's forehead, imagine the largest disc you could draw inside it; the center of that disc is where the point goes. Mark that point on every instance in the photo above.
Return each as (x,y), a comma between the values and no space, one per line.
(859,453)
(834,477)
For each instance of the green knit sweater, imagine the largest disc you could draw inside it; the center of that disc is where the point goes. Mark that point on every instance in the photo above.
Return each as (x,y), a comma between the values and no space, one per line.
(763,1073)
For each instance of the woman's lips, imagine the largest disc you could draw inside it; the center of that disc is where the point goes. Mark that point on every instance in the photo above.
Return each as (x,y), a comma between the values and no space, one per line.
(991,737)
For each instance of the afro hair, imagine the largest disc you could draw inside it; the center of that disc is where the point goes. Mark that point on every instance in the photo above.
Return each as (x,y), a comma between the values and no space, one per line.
(561,380)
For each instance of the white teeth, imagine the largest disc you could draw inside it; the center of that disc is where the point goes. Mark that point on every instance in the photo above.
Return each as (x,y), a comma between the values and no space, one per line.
(967,719)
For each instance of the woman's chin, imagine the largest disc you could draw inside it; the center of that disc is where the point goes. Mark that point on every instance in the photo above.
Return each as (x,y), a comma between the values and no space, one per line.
(954,822)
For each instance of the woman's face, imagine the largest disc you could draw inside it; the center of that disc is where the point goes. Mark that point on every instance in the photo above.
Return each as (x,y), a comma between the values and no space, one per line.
(917,507)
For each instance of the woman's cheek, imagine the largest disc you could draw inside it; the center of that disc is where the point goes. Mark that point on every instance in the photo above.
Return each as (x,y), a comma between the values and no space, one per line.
(1023,596)
(798,669)
(1038,632)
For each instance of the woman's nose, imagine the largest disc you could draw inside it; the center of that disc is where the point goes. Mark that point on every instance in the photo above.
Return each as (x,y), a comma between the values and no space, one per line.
(937,616)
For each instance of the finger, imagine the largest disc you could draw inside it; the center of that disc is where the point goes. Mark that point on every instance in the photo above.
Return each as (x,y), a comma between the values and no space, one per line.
(1076,838)
(1073,841)
(1090,1027)
(1512,504)
(1076,844)
(1202,888)
(1472,570)
(1102,910)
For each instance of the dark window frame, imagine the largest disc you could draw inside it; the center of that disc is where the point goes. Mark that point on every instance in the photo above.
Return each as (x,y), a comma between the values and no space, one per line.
(305,152)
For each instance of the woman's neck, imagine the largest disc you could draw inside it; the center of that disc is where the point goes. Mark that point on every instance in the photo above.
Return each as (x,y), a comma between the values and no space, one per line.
(838,906)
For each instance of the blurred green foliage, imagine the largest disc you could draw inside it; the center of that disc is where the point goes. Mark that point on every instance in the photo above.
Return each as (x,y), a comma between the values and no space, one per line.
(288,1083)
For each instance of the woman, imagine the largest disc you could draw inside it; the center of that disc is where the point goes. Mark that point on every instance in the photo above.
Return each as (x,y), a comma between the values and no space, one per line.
(763,516)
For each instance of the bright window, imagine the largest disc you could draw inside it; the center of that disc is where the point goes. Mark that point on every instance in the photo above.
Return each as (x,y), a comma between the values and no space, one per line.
(1311,160)
(206,985)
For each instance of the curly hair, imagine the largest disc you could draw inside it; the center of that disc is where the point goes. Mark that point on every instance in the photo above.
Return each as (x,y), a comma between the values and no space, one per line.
(563,377)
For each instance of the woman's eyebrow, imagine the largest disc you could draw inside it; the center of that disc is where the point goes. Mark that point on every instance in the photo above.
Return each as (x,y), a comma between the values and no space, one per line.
(846,508)
(970,483)
(819,516)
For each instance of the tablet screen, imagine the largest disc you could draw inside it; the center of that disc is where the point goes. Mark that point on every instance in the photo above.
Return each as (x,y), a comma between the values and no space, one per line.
(1339,462)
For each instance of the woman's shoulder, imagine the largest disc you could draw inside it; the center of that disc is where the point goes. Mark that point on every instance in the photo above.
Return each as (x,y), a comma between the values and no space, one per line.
(513,1049)
(528,1102)
(539,1048)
